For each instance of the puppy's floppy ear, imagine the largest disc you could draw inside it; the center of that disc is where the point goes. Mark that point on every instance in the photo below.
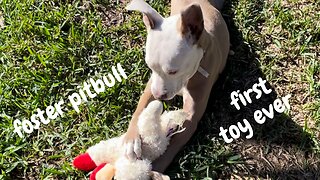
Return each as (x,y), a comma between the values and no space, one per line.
(191,23)
(151,17)
(158,176)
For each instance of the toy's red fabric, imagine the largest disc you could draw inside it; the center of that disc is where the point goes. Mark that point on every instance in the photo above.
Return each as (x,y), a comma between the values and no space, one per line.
(93,174)
(84,162)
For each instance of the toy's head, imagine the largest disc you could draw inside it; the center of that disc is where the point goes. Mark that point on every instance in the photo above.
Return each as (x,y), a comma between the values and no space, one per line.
(172,121)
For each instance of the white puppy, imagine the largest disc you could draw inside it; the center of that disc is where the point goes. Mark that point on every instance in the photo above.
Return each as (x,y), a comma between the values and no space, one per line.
(186,52)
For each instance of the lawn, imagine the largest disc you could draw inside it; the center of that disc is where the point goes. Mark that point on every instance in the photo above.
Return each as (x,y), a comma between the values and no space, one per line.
(48,49)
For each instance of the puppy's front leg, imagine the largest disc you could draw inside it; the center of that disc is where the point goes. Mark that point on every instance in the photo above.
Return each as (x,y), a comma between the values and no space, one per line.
(131,139)
(195,101)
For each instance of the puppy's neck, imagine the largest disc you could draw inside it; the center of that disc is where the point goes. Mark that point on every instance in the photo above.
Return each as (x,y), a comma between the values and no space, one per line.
(204,42)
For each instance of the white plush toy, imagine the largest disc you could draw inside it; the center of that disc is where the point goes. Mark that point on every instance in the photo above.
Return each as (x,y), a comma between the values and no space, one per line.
(107,157)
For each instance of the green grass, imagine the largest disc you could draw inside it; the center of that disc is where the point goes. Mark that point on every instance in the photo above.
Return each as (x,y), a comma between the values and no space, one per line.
(49,48)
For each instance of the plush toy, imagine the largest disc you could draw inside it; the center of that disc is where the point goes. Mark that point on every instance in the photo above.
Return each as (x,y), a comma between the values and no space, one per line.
(108,160)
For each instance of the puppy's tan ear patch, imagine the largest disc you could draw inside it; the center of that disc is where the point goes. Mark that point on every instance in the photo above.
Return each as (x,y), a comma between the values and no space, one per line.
(191,23)
(148,21)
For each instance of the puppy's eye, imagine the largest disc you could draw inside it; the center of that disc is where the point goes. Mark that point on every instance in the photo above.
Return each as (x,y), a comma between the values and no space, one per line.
(172,72)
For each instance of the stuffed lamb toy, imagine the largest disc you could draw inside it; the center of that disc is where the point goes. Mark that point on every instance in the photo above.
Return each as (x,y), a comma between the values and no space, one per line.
(108,159)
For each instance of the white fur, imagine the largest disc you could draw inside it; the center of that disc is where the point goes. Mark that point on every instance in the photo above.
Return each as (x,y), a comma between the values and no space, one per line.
(99,154)
(132,170)
(154,139)
(153,128)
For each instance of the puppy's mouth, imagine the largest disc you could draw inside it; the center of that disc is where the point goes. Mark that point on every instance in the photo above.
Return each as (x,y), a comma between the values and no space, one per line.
(170,97)
(166,97)
(166,94)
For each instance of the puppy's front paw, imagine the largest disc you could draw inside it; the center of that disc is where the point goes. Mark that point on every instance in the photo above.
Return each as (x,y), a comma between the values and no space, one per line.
(132,144)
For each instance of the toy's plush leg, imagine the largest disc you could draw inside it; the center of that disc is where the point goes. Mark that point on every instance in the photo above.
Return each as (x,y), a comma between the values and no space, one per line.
(154,141)
(84,162)
(103,172)
(94,172)
(148,123)
(103,152)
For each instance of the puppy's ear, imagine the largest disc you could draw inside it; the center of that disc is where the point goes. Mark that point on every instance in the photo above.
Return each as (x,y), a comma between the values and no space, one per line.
(158,176)
(191,23)
(151,17)
(148,21)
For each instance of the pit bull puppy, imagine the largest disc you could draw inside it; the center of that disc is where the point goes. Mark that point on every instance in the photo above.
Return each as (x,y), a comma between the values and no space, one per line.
(186,53)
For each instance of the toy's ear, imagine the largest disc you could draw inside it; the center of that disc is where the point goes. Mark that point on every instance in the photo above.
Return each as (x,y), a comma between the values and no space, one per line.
(158,176)
(106,173)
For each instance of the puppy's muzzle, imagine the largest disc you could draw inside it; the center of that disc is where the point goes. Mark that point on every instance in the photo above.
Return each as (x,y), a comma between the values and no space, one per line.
(161,96)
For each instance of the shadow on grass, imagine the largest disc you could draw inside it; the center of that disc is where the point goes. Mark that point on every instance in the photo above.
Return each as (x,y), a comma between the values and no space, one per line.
(280,148)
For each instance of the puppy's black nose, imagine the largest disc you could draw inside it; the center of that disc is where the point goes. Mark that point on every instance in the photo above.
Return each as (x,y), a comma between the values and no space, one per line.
(163,97)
